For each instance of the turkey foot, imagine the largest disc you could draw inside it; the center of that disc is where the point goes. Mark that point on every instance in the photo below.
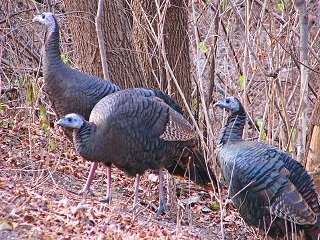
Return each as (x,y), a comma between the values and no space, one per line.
(108,197)
(135,205)
(162,209)
(86,188)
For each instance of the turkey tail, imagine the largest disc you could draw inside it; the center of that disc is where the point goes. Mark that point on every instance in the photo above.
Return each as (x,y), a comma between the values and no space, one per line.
(192,165)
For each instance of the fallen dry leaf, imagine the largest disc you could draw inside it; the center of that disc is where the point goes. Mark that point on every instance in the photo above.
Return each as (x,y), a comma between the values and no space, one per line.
(5,225)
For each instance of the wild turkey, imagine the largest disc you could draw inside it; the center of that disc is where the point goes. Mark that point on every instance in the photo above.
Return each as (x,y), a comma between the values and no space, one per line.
(68,89)
(135,130)
(271,190)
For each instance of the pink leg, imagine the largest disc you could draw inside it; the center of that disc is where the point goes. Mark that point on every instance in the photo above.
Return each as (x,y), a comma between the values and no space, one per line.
(162,199)
(108,196)
(93,168)
(136,194)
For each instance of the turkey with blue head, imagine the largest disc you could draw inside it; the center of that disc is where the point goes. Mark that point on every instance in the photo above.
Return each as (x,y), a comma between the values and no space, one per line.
(68,89)
(271,190)
(135,130)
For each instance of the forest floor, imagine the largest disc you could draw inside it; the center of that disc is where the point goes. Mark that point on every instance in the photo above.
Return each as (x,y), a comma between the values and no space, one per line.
(41,177)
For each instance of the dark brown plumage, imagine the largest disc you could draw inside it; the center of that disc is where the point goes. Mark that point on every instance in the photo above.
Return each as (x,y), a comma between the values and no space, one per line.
(271,190)
(135,130)
(71,91)
(68,89)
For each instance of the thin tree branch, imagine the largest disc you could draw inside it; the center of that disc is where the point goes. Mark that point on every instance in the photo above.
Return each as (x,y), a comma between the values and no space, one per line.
(301,5)
(15,14)
(214,55)
(102,46)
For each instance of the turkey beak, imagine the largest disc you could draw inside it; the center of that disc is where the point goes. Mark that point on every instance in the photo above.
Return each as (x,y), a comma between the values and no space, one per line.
(36,18)
(59,123)
(217,104)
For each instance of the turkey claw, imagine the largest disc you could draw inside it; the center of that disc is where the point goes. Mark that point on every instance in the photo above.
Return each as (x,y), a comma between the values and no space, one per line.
(107,199)
(162,209)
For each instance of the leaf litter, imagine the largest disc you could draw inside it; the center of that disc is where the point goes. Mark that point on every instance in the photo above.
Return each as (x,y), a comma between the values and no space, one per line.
(41,178)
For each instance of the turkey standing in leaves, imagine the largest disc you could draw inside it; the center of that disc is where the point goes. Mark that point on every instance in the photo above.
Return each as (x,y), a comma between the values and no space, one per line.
(70,90)
(271,190)
(135,130)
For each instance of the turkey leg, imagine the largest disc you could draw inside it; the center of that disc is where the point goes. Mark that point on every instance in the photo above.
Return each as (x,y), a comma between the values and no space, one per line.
(108,195)
(136,194)
(93,168)
(86,188)
(162,199)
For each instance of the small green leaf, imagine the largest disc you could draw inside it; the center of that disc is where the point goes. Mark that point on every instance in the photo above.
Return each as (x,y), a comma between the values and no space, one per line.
(45,127)
(203,47)
(241,81)
(215,206)
(224,5)
(194,103)
(6,122)
(280,6)
(287,3)
(52,144)
(261,129)
(21,81)
(2,123)
(2,107)
(65,59)
(292,140)
(32,92)
(44,119)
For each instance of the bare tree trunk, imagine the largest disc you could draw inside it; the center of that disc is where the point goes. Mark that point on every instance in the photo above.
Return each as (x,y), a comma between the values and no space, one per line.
(84,35)
(144,40)
(116,27)
(138,63)
(301,5)
(313,148)
(176,43)
(163,26)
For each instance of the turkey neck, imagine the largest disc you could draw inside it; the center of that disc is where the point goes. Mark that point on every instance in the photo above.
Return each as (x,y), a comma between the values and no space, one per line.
(84,141)
(52,49)
(233,130)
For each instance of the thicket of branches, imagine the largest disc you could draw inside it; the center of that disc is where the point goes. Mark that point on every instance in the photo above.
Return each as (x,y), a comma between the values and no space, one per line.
(250,49)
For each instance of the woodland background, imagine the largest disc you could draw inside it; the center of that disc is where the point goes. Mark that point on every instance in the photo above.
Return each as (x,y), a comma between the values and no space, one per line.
(264,52)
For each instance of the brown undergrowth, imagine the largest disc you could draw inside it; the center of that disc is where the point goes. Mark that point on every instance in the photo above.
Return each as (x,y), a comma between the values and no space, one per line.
(41,177)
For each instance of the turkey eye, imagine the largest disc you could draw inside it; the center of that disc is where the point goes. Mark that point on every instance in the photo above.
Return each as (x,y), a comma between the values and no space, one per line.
(43,16)
(69,119)
(227,100)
